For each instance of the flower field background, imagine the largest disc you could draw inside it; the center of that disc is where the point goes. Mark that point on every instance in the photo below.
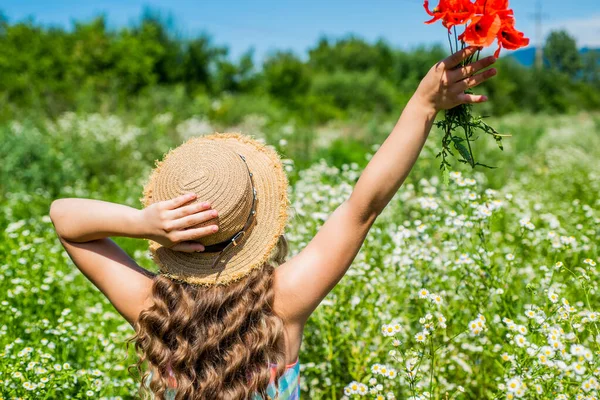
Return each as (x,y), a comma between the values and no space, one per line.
(483,288)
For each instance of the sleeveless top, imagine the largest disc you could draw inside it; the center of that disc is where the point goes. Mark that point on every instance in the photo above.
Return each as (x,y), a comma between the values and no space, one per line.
(289,384)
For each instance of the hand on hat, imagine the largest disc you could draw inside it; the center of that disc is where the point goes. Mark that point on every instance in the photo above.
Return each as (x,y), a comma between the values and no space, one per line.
(171,222)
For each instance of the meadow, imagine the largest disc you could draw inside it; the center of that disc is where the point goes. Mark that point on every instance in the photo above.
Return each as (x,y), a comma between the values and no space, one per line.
(486,287)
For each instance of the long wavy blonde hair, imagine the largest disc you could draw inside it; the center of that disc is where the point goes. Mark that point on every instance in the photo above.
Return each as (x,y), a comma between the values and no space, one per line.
(219,341)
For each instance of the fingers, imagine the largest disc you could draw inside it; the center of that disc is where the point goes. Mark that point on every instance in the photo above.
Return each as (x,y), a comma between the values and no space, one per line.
(188,247)
(468,70)
(180,200)
(195,219)
(189,210)
(461,55)
(471,98)
(475,80)
(193,234)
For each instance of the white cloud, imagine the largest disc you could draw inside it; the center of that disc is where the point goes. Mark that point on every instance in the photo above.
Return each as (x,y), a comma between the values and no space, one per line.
(585,30)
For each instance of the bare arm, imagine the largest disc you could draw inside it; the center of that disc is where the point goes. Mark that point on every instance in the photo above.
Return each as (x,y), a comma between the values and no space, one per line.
(441,89)
(305,280)
(84,226)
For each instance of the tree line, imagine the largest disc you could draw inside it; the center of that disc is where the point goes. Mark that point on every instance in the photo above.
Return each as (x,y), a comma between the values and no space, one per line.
(92,67)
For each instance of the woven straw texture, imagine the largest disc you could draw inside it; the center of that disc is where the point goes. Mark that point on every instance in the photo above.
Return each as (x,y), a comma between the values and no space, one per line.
(211,167)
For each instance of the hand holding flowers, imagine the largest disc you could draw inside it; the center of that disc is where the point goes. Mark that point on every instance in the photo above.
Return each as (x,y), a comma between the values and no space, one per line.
(485,21)
(444,85)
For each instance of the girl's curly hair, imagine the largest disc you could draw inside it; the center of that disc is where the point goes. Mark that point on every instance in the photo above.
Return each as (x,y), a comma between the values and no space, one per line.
(219,341)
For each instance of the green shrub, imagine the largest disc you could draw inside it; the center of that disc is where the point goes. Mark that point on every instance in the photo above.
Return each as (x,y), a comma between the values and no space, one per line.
(366,92)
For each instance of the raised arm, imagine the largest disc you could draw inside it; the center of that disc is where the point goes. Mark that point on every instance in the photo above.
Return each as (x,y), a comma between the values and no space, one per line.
(84,227)
(303,281)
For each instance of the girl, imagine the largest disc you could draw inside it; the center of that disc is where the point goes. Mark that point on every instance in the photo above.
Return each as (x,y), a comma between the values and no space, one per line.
(223,318)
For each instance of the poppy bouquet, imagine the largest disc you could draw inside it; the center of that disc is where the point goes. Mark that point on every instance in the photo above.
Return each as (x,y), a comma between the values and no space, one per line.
(484,21)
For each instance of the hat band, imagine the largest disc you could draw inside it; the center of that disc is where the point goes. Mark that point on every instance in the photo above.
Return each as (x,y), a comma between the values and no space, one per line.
(223,246)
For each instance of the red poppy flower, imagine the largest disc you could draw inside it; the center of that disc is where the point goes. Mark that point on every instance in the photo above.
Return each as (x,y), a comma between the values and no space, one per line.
(499,7)
(457,18)
(438,13)
(482,30)
(489,6)
(451,12)
(510,38)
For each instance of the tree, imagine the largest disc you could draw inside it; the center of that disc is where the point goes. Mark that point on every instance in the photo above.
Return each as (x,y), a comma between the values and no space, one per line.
(235,77)
(3,23)
(199,62)
(159,28)
(591,67)
(286,75)
(561,53)
(352,54)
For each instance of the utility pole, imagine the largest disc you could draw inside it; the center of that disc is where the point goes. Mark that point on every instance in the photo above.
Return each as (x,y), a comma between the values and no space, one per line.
(539,47)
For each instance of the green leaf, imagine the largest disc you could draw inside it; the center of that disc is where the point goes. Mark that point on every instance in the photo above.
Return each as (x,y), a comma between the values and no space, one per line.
(464,152)
(446,176)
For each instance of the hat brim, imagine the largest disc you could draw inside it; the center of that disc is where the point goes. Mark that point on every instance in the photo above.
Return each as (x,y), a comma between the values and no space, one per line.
(263,234)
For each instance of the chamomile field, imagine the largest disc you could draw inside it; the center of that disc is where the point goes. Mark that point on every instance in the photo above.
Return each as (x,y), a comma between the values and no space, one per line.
(486,287)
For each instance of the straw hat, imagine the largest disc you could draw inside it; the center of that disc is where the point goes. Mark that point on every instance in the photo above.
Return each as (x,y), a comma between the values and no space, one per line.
(245,182)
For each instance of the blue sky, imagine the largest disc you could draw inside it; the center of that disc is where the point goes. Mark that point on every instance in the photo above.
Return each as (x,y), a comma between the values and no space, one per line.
(296,25)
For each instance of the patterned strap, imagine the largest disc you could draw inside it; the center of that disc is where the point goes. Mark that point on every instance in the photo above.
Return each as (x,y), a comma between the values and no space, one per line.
(289,384)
